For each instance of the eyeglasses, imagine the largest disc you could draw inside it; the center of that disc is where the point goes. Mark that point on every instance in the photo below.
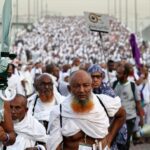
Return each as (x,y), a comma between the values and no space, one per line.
(46,84)
(96,76)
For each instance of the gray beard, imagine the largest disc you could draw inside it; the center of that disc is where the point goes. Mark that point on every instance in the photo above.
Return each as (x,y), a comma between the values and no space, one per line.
(16,121)
(82,102)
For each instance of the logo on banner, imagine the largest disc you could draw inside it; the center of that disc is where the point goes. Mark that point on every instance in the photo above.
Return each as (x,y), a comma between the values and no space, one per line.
(97,22)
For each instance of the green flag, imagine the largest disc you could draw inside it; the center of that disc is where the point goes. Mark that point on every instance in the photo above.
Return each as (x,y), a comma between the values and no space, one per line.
(6,25)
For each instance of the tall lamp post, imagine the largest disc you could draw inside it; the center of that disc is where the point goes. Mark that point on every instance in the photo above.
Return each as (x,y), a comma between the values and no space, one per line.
(136,17)
(42,13)
(115,8)
(17,15)
(37,9)
(120,10)
(46,8)
(126,12)
(34,8)
(108,6)
(28,11)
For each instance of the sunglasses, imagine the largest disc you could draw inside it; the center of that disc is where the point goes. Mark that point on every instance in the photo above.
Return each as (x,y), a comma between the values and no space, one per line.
(96,76)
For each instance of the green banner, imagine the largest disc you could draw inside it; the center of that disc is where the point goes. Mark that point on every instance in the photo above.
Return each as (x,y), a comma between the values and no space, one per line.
(6,25)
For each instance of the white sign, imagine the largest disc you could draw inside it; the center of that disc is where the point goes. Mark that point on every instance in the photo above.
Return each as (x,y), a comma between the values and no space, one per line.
(97,22)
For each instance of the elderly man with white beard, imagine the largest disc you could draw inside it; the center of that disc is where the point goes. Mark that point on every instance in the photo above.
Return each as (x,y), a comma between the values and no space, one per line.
(47,96)
(28,130)
(81,121)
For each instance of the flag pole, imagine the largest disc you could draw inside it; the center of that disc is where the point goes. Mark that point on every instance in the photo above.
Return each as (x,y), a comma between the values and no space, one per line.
(101,38)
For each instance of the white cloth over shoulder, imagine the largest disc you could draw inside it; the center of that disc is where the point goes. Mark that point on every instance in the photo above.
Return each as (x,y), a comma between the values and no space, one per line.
(15,82)
(42,110)
(28,131)
(94,123)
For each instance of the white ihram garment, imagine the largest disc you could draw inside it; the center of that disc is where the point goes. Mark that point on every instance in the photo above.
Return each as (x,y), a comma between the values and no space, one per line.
(42,110)
(94,123)
(28,131)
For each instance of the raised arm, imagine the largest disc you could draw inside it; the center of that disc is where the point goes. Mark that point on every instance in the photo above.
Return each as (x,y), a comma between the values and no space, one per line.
(7,134)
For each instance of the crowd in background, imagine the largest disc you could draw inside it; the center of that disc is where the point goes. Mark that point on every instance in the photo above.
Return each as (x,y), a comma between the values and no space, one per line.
(56,47)
(63,38)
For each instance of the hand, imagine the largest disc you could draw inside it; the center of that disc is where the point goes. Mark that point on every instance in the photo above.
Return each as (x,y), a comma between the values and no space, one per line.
(141,123)
(31,148)
(3,135)
(105,142)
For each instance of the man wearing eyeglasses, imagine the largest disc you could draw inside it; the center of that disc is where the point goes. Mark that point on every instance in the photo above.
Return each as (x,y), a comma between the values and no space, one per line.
(46,97)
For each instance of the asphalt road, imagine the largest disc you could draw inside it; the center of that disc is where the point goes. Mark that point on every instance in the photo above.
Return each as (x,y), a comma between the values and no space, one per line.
(140,147)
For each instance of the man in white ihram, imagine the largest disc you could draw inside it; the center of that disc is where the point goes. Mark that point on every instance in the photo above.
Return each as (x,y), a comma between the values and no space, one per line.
(81,122)
(47,96)
(28,130)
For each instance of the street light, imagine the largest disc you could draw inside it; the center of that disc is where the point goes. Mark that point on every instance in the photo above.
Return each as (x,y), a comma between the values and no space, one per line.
(34,8)
(108,6)
(28,11)
(115,9)
(17,15)
(42,10)
(46,7)
(120,10)
(136,17)
(126,12)
(37,9)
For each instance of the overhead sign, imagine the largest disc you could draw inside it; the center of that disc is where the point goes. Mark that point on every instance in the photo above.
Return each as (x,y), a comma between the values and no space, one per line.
(97,22)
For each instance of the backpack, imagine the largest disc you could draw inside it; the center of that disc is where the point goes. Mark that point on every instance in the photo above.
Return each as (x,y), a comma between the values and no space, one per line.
(132,87)
(133,91)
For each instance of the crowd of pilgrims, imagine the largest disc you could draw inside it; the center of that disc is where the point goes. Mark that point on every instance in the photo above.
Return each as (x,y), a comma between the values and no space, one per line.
(63,38)
(57,47)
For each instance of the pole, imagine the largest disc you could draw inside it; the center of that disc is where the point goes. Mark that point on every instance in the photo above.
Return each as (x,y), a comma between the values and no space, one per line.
(28,11)
(34,7)
(120,10)
(115,8)
(17,13)
(108,6)
(136,17)
(42,8)
(46,8)
(101,38)
(126,13)
(37,9)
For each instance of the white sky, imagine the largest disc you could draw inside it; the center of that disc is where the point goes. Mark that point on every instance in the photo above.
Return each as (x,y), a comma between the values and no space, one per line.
(77,7)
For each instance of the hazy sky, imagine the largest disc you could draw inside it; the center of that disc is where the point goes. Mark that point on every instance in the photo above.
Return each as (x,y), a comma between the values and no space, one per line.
(77,7)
